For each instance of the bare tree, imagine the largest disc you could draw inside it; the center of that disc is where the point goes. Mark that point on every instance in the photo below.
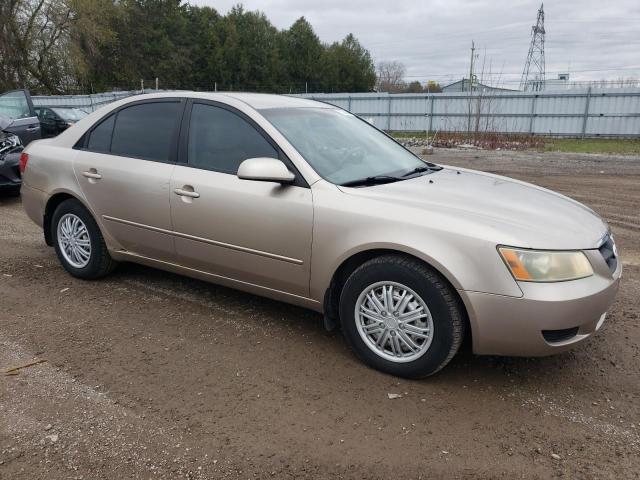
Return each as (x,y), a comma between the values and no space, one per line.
(38,41)
(390,77)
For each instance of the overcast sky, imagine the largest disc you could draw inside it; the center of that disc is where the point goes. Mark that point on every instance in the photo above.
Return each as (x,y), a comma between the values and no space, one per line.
(591,39)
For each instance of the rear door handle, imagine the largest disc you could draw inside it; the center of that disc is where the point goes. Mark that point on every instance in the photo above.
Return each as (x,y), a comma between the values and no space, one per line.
(186,193)
(93,174)
(32,128)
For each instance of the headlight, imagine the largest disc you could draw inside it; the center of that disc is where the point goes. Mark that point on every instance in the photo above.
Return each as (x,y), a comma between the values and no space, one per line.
(545,266)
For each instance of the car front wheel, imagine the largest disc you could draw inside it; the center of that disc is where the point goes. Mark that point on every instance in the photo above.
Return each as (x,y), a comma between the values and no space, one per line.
(79,243)
(401,316)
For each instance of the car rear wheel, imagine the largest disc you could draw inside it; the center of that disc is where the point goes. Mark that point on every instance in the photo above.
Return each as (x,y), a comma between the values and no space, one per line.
(401,316)
(79,243)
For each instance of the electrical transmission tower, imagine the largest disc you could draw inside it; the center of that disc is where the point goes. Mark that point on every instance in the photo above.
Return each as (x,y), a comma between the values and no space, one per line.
(533,73)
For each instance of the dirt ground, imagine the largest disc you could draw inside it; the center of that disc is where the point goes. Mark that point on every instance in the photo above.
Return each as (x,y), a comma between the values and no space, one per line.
(151,375)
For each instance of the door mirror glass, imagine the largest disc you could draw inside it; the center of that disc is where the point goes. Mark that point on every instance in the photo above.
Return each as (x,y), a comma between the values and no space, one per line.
(265,170)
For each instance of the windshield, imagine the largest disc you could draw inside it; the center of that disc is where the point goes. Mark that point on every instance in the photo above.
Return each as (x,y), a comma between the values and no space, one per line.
(341,147)
(70,114)
(14,105)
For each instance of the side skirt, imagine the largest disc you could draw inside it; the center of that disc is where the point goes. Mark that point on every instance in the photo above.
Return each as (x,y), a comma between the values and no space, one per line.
(122,255)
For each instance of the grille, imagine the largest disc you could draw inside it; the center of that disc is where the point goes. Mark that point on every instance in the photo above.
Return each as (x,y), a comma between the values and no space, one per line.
(608,252)
(554,336)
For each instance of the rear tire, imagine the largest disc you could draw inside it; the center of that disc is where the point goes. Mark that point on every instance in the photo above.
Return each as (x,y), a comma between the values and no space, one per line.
(79,243)
(401,317)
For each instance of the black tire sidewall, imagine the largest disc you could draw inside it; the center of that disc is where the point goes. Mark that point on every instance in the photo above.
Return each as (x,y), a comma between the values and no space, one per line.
(94,267)
(432,294)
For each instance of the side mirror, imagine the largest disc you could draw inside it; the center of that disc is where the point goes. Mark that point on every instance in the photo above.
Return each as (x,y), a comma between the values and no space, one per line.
(265,170)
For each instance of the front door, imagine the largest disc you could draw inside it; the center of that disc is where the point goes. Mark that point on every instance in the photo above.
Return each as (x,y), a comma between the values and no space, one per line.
(124,170)
(250,231)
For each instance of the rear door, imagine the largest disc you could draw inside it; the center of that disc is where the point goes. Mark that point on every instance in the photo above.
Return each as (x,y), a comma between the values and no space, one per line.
(124,166)
(17,105)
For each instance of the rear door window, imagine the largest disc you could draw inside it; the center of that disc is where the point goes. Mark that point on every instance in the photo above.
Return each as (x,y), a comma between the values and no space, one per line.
(146,131)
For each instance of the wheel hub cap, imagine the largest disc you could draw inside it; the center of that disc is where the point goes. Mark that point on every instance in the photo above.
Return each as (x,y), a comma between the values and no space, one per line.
(394,322)
(74,241)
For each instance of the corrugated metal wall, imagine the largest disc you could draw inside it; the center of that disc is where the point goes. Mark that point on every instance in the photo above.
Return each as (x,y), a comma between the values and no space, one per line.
(85,102)
(578,112)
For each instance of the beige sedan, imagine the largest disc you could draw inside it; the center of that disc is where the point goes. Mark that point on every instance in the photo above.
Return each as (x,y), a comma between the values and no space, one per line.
(306,203)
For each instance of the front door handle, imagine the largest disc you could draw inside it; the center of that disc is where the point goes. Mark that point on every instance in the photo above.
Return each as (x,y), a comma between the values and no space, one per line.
(186,193)
(92,174)
(32,128)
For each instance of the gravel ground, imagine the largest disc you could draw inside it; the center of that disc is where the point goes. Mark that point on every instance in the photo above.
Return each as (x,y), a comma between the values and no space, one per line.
(151,375)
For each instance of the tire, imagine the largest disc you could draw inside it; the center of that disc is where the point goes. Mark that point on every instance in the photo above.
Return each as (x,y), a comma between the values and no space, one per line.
(99,263)
(434,337)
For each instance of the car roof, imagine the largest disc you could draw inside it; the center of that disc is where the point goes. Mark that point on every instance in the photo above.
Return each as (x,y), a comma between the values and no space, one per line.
(258,101)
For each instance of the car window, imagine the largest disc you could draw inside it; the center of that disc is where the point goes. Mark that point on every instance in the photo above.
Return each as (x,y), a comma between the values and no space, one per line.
(145,131)
(14,105)
(221,140)
(341,147)
(100,137)
(70,114)
(46,114)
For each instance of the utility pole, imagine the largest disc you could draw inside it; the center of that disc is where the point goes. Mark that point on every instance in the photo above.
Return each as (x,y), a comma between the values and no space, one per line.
(473,49)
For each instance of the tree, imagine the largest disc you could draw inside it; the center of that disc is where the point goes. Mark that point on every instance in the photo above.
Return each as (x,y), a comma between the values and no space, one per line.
(301,48)
(347,67)
(66,46)
(39,42)
(390,77)
(433,87)
(414,87)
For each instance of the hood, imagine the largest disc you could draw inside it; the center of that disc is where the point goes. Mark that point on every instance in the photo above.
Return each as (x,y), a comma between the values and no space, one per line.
(509,212)
(5,121)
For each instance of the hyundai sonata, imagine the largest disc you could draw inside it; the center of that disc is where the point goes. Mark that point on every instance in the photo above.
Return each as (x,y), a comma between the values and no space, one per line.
(306,203)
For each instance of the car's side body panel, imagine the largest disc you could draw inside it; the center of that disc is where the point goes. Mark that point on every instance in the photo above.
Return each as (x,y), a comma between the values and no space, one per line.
(131,200)
(255,232)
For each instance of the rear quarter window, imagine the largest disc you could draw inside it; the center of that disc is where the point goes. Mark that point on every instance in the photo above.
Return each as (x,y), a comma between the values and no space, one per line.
(100,137)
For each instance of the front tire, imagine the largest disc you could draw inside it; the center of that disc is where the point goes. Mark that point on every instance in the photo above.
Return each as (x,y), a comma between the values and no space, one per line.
(79,243)
(401,317)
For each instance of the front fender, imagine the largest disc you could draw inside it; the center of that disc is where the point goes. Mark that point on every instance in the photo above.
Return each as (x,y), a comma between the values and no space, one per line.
(346,225)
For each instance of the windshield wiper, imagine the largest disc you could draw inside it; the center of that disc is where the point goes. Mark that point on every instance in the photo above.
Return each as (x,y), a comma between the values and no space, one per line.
(375,180)
(421,170)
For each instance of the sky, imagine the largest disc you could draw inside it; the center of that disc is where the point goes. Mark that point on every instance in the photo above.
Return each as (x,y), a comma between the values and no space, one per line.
(592,40)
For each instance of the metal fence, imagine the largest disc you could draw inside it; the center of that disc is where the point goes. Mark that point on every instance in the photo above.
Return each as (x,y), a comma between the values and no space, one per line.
(586,112)
(86,102)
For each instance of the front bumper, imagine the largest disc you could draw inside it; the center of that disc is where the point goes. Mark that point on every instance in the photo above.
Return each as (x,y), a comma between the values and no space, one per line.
(514,326)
